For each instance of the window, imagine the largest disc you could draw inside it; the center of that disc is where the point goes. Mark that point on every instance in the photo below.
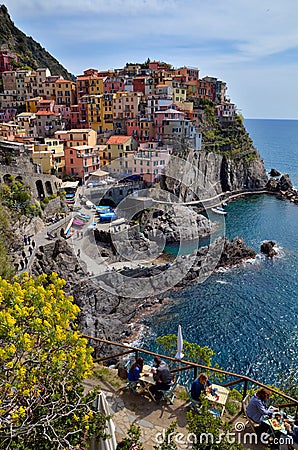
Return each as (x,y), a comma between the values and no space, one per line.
(71,161)
(71,152)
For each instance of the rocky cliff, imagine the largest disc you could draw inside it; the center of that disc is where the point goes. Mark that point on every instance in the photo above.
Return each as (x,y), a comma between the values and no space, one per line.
(206,174)
(31,53)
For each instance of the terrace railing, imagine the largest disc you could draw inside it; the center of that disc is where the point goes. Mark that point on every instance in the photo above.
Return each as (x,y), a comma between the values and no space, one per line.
(183,365)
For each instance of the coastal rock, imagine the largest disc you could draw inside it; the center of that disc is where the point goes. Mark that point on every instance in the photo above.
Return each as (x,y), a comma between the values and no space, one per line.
(235,252)
(179,224)
(106,312)
(274,173)
(285,183)
(273,185)
(267,248)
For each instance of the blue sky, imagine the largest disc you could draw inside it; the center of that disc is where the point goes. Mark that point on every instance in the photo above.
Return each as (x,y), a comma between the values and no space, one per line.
(252,45)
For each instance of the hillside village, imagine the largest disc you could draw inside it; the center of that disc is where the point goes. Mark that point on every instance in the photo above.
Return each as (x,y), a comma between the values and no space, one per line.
(140,113)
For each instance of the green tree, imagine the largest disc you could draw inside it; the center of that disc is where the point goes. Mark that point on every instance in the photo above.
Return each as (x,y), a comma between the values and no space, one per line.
(132,441)
(43,361)
(17,197)
(192,352)
(208,432)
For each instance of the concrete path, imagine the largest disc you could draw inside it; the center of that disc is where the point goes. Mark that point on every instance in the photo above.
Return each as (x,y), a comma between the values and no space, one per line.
(154,418)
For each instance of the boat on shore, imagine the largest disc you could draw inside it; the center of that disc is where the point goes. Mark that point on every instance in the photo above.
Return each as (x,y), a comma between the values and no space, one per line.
(219,210)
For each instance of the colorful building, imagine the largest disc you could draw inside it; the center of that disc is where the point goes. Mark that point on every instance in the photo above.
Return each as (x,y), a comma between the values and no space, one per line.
(81,161)
(149,161)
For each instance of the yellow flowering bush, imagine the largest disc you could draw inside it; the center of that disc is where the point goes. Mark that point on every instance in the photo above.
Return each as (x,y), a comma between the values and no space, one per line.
(43,360)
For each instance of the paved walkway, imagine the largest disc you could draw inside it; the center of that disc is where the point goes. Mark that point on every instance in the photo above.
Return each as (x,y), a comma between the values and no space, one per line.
(153,419)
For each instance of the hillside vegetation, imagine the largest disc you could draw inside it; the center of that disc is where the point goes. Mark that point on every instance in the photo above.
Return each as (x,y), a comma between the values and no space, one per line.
(31,53)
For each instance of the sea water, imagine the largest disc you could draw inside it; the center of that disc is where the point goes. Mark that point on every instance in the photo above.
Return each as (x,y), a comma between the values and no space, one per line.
(248,315)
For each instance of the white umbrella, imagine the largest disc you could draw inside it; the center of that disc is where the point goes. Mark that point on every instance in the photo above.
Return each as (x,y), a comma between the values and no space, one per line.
(179,354)
(105,444)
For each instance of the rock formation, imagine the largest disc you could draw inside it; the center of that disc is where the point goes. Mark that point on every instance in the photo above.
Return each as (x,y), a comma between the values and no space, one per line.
(207,174)
(179,224)
(267,248)
(107,313)
(283,187)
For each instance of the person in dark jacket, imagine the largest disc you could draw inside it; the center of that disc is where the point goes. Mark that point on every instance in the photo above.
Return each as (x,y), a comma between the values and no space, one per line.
(162,377)
(201,385)
(135,370)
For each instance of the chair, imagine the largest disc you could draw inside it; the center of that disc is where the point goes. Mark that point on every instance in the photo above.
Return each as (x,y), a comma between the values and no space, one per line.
(193,404)
(169,395)
(249,421)
(132,386)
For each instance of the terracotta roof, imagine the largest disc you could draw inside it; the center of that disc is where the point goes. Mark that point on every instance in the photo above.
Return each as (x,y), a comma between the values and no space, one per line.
(118,139)
(62,81)
(47,113)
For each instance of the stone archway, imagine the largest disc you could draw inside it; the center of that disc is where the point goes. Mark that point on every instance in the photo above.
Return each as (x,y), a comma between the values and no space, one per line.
(19,178)
(40,190)
(48,187)
(7,178)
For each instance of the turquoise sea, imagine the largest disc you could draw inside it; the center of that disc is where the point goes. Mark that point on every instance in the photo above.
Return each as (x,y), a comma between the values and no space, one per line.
(248,315)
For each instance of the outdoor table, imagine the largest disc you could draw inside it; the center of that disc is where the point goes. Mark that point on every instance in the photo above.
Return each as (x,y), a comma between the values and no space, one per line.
(222,394)
(146,380)
(276,427)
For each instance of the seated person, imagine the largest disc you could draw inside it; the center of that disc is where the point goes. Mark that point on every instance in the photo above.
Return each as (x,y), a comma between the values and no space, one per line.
(257,409)
(289,440)
(201,385)
(162,377)
(134,372)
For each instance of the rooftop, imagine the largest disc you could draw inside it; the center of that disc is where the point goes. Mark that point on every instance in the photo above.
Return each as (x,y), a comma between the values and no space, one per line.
(113,140)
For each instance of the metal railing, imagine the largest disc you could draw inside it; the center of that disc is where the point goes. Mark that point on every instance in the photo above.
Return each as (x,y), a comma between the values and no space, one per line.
(186,365)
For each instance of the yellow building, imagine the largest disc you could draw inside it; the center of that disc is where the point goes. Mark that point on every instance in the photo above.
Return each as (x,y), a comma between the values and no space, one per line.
(179,94)
(117,147)
(49,156)
(31,104)
(65,92)
(96,85)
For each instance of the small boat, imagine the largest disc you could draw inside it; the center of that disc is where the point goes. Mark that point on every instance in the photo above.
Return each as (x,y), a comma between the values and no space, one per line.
(81,219)
(108,217)
(84,216)
(78,223)
(92,226)
(219,210)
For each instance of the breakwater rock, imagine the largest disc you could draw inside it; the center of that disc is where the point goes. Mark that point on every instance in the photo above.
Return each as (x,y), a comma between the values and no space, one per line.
(283,186)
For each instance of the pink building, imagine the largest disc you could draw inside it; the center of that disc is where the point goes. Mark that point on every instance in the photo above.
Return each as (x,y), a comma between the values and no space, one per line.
(149,161)
(112,85)
(160,116)
(81,160)
(6,59)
